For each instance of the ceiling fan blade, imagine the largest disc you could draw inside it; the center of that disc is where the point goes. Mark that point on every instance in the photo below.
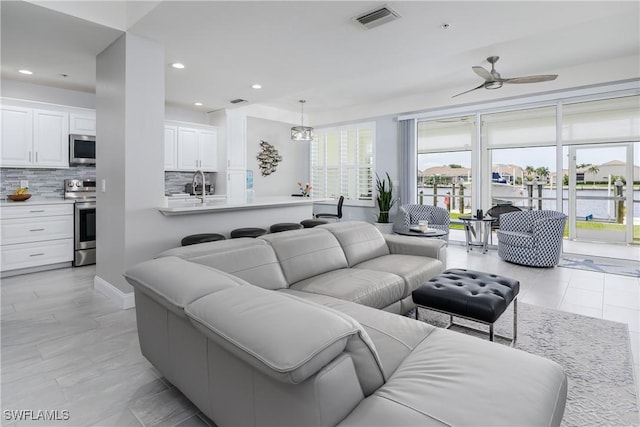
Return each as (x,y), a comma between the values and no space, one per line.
(531,79)
(482,73)
(470,90)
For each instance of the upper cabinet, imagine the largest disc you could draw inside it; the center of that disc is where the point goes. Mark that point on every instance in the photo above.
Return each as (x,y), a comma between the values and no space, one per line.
(34,138)
(82,123)
(170,147)
(189,147)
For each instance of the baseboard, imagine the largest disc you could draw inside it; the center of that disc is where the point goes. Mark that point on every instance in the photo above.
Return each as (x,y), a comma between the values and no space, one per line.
(123,300)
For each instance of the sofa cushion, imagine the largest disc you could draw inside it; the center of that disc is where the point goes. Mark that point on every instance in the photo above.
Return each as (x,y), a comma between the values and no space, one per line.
(449,365)
(284,337)
(306,253)
(257,265)
(202,249)
(360,241)
(174,282)
(393,336)
(414,270)
(371,288)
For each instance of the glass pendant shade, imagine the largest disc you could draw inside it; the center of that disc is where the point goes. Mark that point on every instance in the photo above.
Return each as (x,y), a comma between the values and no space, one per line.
(302,132)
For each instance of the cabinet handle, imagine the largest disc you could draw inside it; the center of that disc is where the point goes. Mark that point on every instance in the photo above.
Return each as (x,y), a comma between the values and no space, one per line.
(29,156)
(37,229)
(36,157)
(228,163)
(40,254)
(36,210)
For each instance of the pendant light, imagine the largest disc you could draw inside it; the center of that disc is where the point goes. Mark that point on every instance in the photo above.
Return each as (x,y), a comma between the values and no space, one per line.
(301,133)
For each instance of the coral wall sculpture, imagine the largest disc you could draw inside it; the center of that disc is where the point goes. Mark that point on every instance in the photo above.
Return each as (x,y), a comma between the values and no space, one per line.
(268,158)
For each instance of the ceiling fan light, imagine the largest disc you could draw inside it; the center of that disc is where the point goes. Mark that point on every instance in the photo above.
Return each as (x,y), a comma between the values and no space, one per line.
(493,85)
(301,133)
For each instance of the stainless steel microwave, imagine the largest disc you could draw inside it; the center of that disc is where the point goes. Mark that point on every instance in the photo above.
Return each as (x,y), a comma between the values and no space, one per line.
(82,149)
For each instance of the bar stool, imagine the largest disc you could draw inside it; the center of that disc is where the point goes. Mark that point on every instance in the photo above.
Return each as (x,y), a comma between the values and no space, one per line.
(284,226)
(201,238)
(310,223)
(248,232)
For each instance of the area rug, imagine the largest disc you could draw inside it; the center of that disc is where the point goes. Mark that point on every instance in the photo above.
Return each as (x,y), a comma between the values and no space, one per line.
(595,354)
(603,265)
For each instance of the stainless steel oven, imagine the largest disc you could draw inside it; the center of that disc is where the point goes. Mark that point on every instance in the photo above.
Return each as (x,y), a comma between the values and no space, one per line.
(85,233)
(84,193)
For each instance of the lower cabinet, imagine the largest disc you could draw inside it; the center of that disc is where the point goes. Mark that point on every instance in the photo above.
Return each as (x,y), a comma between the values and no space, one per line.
(25,255)
(36,235)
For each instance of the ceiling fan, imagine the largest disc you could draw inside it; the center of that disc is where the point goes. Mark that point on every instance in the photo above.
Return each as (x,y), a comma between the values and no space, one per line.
(492,79)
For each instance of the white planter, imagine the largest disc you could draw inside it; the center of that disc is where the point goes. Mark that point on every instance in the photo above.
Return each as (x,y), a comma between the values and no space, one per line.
(384,227)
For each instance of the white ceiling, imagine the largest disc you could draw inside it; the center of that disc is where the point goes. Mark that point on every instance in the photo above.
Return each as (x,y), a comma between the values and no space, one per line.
(313,50)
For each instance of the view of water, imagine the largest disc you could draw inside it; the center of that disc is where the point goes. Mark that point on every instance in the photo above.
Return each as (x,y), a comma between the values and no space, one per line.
(600,209)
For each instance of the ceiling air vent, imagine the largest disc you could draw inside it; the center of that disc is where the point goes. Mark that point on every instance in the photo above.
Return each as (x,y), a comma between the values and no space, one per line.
(377,17)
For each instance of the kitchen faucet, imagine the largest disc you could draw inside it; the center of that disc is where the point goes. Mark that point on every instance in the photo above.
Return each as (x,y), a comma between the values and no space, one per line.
(194,182)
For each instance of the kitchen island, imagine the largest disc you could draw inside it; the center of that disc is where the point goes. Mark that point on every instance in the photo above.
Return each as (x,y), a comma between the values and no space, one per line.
(219,205)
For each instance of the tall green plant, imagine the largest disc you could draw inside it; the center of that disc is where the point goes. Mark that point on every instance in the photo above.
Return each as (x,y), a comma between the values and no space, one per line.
(384,198)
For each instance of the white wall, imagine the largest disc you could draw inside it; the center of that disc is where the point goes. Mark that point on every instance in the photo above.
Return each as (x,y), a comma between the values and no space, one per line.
(39,93)
(295,158)
(130,122)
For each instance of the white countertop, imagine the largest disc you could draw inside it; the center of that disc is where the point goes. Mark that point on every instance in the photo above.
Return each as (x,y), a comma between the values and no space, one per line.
(34,200)
(219,205)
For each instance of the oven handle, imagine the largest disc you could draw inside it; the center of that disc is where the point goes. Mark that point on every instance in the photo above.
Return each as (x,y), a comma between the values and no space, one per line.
(85,205)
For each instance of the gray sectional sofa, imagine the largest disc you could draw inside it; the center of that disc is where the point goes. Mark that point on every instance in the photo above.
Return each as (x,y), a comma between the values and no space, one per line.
(303,328)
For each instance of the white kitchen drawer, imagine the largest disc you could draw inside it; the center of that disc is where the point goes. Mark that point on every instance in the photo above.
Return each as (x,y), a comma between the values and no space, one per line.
(27,230)
(36,254)
(31,211)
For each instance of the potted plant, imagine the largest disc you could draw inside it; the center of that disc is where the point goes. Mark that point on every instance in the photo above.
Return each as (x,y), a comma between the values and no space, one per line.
(385,201)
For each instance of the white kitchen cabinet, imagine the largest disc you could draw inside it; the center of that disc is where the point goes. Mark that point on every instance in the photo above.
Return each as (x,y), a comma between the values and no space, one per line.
(170,147)
(195,148)
(208,142)
(36,235)
(82,123)
(236,157)
(34,138)
(17,135)
(50,139)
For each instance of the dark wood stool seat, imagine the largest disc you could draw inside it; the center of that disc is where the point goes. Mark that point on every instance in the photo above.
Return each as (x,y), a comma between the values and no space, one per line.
(248,232)
(284,226)
(201,238)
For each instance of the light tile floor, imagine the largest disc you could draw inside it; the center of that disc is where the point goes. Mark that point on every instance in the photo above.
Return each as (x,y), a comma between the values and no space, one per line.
(66,347)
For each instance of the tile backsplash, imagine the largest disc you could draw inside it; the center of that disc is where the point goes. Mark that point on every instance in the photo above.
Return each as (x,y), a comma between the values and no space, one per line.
(174,181)
(42,182)
(49,182)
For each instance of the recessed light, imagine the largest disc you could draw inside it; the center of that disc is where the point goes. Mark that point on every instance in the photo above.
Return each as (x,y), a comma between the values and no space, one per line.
(28,72)
(198,104)
(178,65)
(256,86)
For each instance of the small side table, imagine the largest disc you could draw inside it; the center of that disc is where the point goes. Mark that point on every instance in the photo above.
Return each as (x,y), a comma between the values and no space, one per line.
(431,232)
(477,231)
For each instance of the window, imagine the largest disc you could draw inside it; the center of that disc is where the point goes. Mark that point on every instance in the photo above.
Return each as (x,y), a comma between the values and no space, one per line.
(444,162)
(342,162)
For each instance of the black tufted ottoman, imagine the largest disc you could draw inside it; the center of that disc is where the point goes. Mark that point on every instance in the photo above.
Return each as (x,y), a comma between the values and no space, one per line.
(473,295)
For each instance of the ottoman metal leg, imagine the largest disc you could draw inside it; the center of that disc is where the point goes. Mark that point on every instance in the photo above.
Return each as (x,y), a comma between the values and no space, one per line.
(491,332)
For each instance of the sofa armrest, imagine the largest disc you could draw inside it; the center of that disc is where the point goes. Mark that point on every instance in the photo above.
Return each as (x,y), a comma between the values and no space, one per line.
(282,336)
(420,246)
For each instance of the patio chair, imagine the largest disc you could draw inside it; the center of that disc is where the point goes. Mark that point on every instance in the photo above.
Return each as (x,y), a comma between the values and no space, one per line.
(532,238)
(409,215)
(498,210)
